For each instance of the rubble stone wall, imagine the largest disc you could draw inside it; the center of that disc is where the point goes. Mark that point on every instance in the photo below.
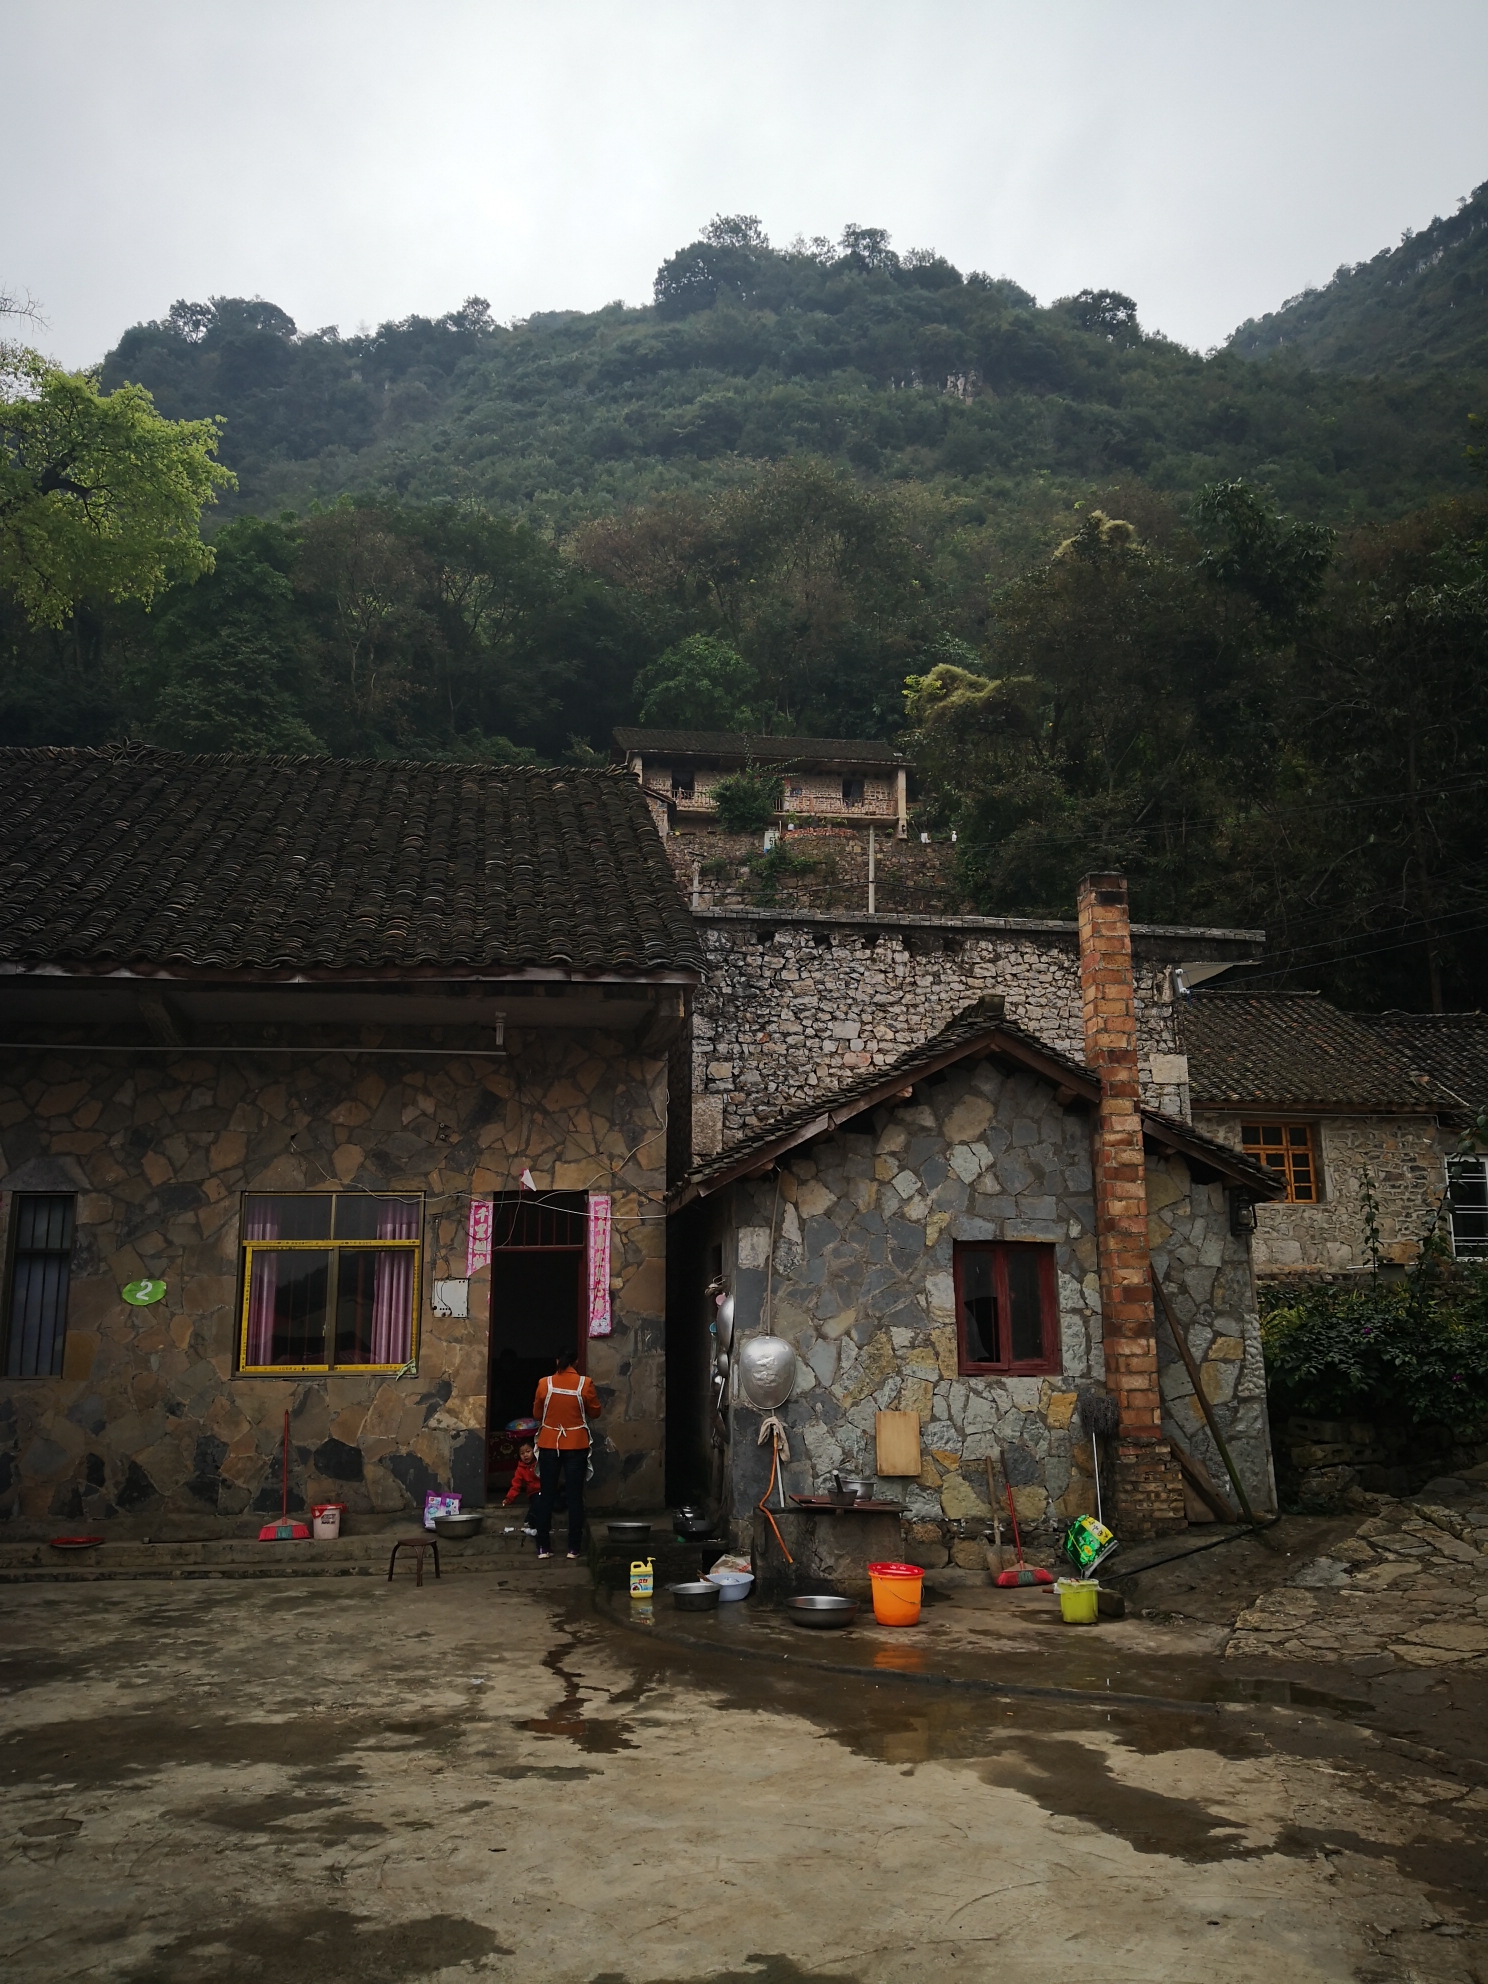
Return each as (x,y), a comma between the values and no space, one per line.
(1404,1158)
(860,1281)
(828,871)
(795,1008)
(151,1420)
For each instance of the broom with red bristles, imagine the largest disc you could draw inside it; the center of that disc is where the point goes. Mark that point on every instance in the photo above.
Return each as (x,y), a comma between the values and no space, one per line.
(1025,1573)
(284,1531)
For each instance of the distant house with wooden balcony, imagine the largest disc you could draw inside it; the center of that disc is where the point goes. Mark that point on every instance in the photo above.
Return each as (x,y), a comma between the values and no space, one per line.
(837,781)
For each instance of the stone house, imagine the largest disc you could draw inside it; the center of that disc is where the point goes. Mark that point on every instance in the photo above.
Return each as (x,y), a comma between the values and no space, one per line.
(331,1089)
(968,1231)
(1342,1108)
(858,781)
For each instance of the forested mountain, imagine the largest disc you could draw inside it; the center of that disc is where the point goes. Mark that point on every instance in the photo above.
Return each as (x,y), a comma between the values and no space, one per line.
(1422,304)
(1222,621)
(895,368)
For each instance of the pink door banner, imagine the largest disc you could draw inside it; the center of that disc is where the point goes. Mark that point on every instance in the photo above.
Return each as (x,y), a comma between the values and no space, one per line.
(478,1237)
(600,1322)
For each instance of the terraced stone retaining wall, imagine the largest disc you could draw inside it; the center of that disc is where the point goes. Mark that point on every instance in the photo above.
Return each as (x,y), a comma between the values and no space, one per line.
(151,1422)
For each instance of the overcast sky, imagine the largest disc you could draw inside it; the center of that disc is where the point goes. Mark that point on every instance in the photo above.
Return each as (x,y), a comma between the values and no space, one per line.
(354,160)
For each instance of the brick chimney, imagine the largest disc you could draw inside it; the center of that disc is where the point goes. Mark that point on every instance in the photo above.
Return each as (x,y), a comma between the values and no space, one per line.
(1149,1489)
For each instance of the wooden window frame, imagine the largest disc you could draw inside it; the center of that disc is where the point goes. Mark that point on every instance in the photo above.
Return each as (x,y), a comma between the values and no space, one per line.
(248,1248)
(13,1251)
(1255,1150)
(1050,1362)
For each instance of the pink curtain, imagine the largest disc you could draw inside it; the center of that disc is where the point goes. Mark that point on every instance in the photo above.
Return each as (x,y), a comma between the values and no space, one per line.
(392,1287)
(263,1286)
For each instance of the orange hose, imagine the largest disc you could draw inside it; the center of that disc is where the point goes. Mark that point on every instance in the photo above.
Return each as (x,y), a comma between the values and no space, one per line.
(764,1499)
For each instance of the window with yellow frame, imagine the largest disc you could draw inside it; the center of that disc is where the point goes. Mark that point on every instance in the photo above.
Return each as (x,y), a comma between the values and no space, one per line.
(1286,1149)
(330,1282)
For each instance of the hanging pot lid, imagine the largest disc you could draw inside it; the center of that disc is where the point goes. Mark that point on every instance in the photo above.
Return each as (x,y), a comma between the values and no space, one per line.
(767,1371)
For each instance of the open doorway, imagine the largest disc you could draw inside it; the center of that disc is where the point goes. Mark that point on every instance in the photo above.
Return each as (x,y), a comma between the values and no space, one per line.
(537,1310)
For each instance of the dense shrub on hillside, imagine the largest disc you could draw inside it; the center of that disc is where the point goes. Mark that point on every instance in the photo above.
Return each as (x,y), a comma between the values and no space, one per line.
(1413,1351)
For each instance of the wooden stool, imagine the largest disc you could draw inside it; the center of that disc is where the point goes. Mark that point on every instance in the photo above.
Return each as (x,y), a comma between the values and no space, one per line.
(418,1545)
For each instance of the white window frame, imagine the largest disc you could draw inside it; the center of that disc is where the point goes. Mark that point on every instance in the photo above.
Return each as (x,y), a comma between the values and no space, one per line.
(1469,1221)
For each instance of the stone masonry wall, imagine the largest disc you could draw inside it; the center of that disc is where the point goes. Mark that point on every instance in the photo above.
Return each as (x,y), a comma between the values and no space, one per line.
(1404,1158)
(829,871)
(793,1008)
(862,1286)
(151,1421)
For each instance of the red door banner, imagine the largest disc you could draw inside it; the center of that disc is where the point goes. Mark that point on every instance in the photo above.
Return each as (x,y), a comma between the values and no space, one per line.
(478,1237)
(600,1322)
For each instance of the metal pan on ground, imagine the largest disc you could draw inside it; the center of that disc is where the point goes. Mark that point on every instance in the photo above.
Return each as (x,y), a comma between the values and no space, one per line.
(822,1609)
(696,1596)
(467,1524)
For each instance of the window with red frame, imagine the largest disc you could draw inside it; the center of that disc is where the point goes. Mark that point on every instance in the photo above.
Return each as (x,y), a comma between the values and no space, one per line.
(1007,1308)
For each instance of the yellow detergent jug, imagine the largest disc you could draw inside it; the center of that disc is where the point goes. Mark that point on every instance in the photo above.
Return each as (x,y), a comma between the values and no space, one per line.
(640,1578)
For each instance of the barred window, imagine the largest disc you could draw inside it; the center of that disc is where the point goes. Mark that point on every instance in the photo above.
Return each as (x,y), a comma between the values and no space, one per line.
(40,1270)
(1468,1182)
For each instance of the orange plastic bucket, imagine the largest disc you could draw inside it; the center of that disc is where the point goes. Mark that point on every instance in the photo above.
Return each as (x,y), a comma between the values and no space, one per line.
(896,1593)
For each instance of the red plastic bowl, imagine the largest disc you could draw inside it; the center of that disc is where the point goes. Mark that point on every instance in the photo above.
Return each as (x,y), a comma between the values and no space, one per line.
(74,1542)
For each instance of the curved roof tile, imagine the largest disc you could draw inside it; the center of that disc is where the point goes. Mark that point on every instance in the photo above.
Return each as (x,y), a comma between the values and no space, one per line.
(132,856)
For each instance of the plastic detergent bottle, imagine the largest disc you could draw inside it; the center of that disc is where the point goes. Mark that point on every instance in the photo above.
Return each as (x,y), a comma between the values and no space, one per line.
(641,1578)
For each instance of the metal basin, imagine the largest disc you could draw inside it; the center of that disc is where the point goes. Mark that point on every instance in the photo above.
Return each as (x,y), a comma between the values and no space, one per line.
(628,1532)
(695,1597)
(468,1524)
(824,1609)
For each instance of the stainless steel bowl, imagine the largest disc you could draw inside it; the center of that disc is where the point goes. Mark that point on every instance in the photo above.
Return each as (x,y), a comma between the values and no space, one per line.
(466,1524)
(854,1484)
(695,1597)
(823,1609)
(629,1532)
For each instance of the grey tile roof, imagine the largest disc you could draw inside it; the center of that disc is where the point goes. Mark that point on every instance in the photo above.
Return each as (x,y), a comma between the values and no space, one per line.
(136,857)
(977,1031)
(764,750)
(1292,1050)
(1452,1048)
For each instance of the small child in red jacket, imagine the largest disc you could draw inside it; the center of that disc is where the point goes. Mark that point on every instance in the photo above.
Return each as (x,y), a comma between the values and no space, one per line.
(525,1477)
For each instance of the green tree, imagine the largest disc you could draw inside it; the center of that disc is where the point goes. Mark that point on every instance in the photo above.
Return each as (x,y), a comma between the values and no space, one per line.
(99,496)
(230,666)
(700,684)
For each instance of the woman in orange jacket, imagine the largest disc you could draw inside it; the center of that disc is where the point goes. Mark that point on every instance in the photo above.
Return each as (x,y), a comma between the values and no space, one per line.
(563,1407)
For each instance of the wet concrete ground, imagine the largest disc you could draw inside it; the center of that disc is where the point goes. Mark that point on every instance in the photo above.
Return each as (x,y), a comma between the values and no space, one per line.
(344,1780)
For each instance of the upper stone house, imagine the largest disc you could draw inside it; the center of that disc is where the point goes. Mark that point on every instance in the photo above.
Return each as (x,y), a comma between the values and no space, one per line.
(283,1039)
(855,782)
(1348,1111)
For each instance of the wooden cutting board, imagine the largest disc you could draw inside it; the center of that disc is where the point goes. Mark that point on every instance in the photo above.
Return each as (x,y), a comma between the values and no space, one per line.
(898,1435)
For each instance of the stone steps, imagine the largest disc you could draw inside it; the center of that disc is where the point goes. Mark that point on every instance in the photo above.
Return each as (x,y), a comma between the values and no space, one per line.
(246,1557)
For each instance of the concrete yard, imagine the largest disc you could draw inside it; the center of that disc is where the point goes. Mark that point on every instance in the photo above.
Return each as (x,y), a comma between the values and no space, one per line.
(338,1780)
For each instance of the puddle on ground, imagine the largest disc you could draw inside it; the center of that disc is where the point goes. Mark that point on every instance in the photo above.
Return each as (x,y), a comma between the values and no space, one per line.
(763,1970)
(332,1945)
(1060,1747)
(597,1735)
